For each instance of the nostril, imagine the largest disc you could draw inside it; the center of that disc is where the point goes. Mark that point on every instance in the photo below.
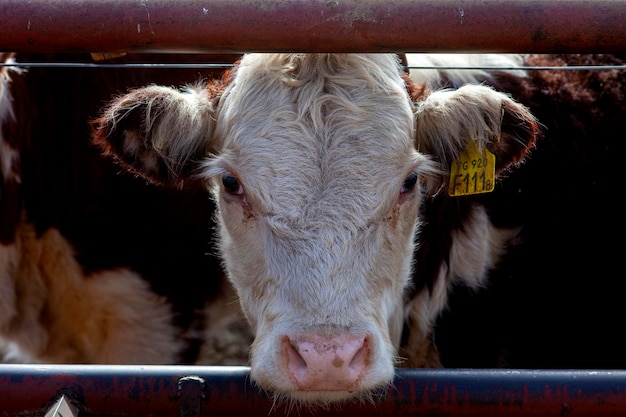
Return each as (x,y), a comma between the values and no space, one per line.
(361,358)
(295,361)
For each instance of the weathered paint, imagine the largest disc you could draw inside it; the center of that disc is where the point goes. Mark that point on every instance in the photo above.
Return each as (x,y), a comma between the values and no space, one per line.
(550,26)
(224,391)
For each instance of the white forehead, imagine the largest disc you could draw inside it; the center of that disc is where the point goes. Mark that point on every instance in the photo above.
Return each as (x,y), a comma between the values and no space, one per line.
(303,130)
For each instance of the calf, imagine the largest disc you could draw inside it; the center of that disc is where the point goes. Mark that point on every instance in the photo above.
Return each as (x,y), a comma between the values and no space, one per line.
(554,298)
(319,165)
(95,265)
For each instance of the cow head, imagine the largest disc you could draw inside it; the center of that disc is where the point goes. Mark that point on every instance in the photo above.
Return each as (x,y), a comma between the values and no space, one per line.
(318,164)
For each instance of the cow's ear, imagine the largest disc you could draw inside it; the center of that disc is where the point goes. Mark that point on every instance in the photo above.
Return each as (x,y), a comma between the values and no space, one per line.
(159,133)
(449,122)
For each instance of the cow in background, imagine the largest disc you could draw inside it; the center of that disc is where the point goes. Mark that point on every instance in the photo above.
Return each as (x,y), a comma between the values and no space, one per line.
(554,299)
(95,265)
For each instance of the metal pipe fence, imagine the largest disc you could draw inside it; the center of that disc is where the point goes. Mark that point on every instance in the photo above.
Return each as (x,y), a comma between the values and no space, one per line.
(98,390)
(233,26)
(227,26)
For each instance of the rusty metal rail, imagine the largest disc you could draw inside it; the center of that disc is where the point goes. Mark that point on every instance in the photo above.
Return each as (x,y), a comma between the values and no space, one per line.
(226,391)
(226,26)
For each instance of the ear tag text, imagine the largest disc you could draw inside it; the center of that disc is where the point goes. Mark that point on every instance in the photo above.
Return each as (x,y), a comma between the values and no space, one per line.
(473,173)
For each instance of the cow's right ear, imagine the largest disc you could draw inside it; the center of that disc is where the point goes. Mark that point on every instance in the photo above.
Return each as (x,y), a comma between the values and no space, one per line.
(158,133)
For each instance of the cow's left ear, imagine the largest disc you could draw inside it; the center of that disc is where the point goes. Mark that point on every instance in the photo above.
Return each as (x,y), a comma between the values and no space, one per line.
(159,133)
(449,122)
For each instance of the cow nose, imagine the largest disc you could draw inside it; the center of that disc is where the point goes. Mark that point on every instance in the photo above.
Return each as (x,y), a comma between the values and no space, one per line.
(317,363)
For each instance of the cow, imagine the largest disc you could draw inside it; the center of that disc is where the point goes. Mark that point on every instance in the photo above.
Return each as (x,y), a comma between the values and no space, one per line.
(320,166)
(96,266)
(554,298)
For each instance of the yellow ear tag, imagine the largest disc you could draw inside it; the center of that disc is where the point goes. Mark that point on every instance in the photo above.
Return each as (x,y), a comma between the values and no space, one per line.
(473,173)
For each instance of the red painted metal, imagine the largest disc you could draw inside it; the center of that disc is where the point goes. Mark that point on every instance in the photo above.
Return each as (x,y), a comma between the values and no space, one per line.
(224,391)
(226,26)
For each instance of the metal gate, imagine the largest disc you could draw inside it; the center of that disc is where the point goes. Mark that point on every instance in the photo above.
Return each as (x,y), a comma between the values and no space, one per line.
(227,26)
(190,391)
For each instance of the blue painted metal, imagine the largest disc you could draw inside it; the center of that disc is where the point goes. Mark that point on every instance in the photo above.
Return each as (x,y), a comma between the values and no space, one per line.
(97,390)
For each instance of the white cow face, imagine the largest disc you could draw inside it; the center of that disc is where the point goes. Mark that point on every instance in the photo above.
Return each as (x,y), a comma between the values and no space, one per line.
(312,160)
(318,187)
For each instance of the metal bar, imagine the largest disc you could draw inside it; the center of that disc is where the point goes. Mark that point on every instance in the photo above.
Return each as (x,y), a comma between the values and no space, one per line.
(549,26)
(226,391)
(210,65)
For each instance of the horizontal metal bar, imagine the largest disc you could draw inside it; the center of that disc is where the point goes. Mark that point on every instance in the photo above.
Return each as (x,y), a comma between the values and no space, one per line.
(163,65)
(225,391)
(313,26)
(152,65)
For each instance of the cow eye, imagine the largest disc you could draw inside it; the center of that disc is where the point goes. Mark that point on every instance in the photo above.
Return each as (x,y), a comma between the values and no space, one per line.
(409,183)
(231,184)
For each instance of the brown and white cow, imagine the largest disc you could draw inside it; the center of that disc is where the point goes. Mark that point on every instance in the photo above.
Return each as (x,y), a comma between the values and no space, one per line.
(319,165)
(96,266)
(555,298)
